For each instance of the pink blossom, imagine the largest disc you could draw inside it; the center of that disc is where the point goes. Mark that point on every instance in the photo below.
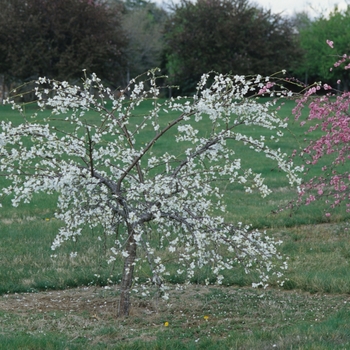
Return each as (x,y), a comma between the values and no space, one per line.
(310,199)
(330,146)
(328,214)
(266,88)
(329,43)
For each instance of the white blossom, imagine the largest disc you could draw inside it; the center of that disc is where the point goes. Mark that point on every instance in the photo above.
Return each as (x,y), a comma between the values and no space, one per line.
(105,175)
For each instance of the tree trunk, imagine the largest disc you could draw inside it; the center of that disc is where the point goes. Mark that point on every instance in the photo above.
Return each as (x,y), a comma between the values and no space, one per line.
(128,273)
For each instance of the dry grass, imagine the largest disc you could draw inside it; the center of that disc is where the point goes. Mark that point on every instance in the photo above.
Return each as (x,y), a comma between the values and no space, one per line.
(195,315)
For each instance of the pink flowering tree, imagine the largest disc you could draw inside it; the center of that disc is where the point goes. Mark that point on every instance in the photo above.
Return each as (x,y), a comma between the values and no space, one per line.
(107,177)
(327,114)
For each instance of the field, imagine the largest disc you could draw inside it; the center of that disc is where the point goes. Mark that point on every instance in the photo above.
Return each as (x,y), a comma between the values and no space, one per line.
(67,302)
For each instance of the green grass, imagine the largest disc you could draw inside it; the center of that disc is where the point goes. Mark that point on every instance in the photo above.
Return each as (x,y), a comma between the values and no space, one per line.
(57,302)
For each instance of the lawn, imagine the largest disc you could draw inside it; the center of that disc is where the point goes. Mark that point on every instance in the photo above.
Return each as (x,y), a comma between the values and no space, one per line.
(53,300)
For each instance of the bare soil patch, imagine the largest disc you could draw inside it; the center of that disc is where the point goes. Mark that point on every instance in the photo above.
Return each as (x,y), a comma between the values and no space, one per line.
(91,300)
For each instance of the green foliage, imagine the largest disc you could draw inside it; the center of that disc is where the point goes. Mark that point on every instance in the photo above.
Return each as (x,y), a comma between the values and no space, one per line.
(227,36)
(59,39)
(319,58)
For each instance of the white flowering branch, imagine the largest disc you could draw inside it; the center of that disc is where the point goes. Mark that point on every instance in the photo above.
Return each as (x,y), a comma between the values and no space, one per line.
(106,177)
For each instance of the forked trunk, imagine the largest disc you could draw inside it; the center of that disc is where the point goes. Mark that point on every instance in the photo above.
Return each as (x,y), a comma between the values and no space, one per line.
(128,273)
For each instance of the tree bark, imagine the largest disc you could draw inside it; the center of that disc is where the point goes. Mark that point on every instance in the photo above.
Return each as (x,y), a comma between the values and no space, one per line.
(128,273)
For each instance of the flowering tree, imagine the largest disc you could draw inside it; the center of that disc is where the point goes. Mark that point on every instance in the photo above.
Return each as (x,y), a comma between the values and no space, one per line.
(329,115)
(106,177)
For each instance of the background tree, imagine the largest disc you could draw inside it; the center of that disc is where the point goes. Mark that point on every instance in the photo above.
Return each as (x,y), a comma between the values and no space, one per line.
(301,22)
(227,36)
(158,174)
(143,24)
(319,58)
(60,38)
